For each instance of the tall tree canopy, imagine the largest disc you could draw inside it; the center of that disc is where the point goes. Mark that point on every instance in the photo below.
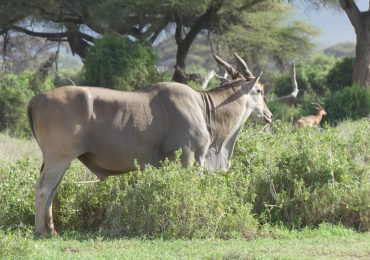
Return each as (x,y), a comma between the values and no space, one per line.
(80,22)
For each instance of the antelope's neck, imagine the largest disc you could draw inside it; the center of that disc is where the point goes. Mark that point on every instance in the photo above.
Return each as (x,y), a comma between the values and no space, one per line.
(319,117)
(225,109)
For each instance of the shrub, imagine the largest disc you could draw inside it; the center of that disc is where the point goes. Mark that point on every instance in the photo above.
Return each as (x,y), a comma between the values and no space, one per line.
(15,92)
(340,76)
(310,77)
(349,103)
(283,83)
(282,175)
(173,202)
(16,187)
(303,177)
(119,63)
(317,72)
(285,112)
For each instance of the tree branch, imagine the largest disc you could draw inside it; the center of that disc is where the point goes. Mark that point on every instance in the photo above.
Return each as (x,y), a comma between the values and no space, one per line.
(32,33)
(352,11)
(198,25)
(179,29)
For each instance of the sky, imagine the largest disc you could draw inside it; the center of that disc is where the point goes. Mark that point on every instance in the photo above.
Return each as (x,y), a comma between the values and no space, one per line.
(333,24)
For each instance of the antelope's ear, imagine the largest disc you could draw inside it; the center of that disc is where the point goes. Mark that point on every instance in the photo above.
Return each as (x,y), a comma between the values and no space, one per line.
(252,83)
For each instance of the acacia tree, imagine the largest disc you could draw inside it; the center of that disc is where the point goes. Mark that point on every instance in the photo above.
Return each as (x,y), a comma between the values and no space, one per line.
(79,22)
(268,37)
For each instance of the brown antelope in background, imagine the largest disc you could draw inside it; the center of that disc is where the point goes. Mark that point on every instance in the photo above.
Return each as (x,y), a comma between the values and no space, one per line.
(312,120)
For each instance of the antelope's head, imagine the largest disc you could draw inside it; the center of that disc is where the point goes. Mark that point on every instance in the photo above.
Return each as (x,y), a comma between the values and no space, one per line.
(254,89)
(320,111)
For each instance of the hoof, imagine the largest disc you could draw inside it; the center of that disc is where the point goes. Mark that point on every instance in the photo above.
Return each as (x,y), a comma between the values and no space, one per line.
(38,234)
(53,233)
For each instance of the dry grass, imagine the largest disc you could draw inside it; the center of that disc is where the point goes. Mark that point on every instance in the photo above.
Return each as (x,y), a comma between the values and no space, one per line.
(13,149)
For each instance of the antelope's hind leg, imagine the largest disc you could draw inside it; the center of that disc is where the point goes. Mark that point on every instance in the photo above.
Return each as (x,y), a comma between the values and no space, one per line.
(51,174)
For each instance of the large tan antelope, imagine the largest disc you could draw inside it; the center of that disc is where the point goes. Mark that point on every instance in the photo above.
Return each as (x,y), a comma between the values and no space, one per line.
(109,131)
(312,120)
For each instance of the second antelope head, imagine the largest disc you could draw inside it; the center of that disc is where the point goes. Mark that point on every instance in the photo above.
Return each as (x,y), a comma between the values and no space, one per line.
(254,88)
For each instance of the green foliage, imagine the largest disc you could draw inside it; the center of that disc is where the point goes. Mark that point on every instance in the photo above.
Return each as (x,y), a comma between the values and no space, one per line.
(288,113)
(16,185)
(317,73)
(12,248)
(119,63)
(174,202)
(283,82)
(15,92)
(284,175)
(302,177)
(340,76)
(311,77)
(285,112)
(352,102)
(262,33)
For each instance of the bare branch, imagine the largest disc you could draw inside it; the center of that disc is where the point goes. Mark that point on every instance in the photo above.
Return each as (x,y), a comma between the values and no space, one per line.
(33,33)
(294,81)
(292,98)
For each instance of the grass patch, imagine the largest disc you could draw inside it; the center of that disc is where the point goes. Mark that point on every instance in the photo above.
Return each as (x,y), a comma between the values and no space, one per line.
(13,149)
(327,241)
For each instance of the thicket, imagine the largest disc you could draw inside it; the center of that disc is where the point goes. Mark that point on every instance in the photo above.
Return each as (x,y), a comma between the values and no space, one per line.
(351,102)
(330,81)
(279,176)
(15,92)
(120,63)
(311,77)
(340,75)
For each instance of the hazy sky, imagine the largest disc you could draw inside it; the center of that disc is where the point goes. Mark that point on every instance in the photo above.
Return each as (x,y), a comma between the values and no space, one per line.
(333,24)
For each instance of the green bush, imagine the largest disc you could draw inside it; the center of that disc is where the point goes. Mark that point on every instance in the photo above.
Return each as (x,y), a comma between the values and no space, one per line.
(16,187)
(168,202)
(282,175)
(284,112)
(303,177)
(120,63)
(310,77)
(340,76)
(288,113)
(283,83)
(15,92)
(174,202)
(317,72)
(352,102)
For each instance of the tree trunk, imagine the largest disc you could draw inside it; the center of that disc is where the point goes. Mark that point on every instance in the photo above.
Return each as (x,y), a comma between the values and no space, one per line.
(361,69)
(181,54)
(361,24)
(184,44)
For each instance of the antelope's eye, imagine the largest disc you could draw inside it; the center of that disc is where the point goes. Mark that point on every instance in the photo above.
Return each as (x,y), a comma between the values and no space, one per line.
(259,91)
